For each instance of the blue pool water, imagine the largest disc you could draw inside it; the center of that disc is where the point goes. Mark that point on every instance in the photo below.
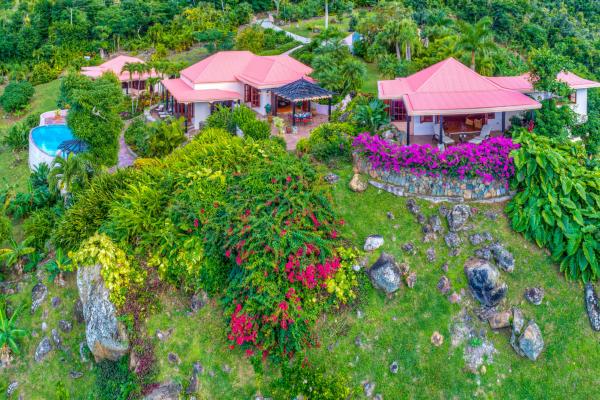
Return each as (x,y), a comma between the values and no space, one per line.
(47,138)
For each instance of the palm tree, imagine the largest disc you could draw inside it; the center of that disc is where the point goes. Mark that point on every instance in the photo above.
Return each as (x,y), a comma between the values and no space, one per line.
(9,334)
(130,68)
(13,255)
(400,33)
(352,73)
(68,174)
(151,82)
(475,38)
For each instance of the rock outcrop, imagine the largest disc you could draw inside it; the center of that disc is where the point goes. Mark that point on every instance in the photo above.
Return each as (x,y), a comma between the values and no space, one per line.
(484,282)
(385,274)
(105,335)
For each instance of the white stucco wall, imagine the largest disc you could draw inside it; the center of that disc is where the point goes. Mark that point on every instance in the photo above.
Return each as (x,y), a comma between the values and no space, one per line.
(580,107)
(201,112)
(230,86)
(422,128)
(265,98)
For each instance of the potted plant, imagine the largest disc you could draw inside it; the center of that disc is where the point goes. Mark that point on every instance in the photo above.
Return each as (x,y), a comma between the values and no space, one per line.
(268,112)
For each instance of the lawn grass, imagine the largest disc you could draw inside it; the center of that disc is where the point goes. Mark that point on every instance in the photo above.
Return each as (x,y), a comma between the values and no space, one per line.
(13,166)
(391,329)
(312,27)
(400,328)
(370,83)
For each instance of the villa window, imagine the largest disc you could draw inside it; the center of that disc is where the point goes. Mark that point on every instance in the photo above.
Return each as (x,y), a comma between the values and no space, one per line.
(252,95)
(573,97)
(397,111)
(426,118)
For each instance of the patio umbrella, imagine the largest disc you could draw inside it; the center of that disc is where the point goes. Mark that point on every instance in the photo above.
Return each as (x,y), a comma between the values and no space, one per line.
(74,146)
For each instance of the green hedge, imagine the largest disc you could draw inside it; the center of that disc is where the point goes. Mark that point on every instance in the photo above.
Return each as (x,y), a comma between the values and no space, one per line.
(558,201)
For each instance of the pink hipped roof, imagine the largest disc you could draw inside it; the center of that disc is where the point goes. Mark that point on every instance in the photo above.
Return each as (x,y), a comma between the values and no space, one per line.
(449,87)
(183,93)
(523,82)
(259,71)
(115,65)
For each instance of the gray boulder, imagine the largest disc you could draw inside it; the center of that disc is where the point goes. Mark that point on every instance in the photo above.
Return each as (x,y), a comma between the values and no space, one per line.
(430,254)
(443,285)
(484,253)
(530,343)
(38,295)
(331,178)
(452,240)
(458,216)
(413,207)
(105,335)
(12,387)
(65,326)
(436,223)
(592,307)
(385,274)
(166,391)
(373,242)
(534,295)
(358,183)
(42,350)
(503,257)
(484,282)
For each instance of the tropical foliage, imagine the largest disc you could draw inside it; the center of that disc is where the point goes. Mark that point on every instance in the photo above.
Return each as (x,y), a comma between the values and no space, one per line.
(328,141)
(156,139)
(10,334)
(557,203)
(240,117)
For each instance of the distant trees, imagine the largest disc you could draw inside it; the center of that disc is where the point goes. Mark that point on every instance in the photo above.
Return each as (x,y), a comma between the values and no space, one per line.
(337,70)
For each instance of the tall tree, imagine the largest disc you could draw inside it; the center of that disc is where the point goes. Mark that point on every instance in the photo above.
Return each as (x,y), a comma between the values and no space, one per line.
(476,38)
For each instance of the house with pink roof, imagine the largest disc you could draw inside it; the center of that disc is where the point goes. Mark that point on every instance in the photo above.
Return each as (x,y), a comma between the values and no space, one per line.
(451,102)
(232,77)
(137,80)
(577,99)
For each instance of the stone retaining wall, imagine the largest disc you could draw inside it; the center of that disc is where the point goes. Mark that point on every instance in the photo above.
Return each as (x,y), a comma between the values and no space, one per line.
(442,188)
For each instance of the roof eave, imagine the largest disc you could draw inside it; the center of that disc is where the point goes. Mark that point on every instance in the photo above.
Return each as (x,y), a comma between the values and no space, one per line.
(463,111)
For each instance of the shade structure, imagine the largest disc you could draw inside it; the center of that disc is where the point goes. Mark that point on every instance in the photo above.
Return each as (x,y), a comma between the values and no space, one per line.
(301,90)
(74,146)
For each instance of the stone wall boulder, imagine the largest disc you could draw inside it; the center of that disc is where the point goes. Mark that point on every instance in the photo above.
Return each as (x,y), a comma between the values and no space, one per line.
(105,335)
(458,217)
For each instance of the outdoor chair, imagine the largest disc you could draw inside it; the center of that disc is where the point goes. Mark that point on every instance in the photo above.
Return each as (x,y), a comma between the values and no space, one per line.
(483,135)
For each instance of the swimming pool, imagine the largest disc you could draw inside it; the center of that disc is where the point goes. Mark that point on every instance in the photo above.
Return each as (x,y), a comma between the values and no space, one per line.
(44,141)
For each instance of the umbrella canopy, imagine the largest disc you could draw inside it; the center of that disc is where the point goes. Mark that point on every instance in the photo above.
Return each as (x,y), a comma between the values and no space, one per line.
(74,146)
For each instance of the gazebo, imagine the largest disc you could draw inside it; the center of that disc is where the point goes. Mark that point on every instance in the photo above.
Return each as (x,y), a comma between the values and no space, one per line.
(301,90)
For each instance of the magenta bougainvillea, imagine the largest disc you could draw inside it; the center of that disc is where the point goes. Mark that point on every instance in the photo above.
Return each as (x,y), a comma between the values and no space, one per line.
(489,160)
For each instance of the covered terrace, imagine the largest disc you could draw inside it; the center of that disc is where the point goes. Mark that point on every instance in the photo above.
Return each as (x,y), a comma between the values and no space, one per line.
(296,99)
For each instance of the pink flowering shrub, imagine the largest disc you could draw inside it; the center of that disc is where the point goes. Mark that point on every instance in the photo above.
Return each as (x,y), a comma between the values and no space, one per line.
(277,236)
(489,160)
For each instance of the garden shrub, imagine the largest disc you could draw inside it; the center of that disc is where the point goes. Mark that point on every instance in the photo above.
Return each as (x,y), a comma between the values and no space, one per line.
(299,380)
(155,139)
(39,226)
(17,135)
(242,117)
(489,160)
(557,203)
(236,217)
(16,96)
(113,380)
(43,73)
(328,141)
(90,208)
(117,269)
(37,196)
(94,114)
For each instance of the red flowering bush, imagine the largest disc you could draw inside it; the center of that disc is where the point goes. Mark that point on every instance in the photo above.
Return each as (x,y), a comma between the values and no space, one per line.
(277,234)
